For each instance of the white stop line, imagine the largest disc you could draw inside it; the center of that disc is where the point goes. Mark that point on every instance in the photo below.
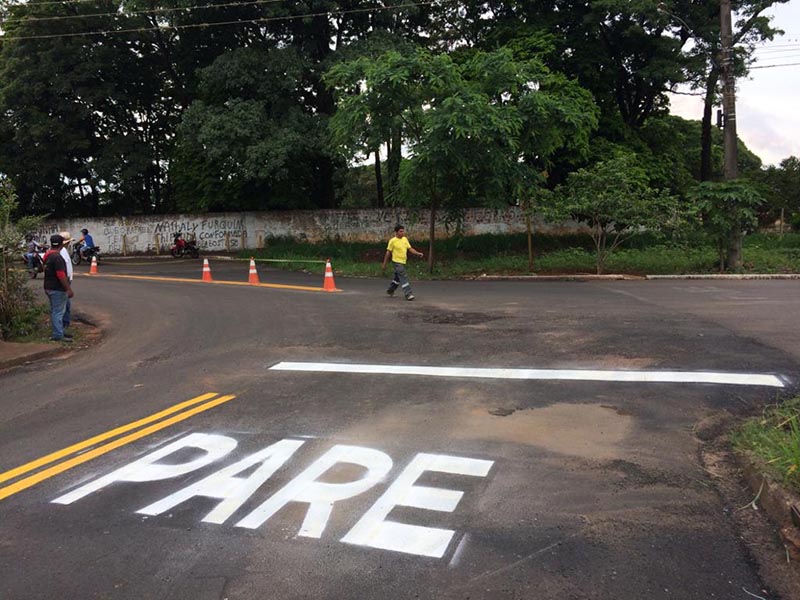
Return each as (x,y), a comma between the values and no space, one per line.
(540,374)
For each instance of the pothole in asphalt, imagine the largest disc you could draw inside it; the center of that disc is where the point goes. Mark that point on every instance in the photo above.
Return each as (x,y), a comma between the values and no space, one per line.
(585,430)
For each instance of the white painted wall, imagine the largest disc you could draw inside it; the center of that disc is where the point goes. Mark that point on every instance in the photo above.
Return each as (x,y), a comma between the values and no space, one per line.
(220,232)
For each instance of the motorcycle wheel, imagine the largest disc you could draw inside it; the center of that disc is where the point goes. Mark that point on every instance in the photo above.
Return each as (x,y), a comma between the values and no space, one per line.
(176,253)
(195,253)
(76,258)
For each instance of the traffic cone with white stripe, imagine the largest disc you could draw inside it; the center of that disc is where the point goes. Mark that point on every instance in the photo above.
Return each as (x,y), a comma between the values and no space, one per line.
(329,285)
(252,278)
(93,268)
(206,270)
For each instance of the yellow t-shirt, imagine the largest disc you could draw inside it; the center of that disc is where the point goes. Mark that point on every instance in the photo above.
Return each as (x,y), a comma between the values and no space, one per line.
(399,249)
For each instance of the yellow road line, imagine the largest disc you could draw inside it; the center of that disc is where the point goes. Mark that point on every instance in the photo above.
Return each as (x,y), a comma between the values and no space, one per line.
(23,484)
(100,438)
(242,283)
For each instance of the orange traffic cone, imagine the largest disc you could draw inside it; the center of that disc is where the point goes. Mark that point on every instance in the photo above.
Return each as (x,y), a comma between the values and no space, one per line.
(206,270)
(253,276)
(93,268)
(329,285)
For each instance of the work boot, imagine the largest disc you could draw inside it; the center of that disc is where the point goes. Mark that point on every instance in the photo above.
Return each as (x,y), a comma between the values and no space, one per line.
(410,297)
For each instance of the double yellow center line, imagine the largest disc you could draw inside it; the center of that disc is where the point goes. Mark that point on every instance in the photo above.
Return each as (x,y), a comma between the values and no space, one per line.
(194,406)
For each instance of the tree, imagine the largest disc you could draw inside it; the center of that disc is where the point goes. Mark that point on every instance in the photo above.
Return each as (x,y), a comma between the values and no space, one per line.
(782,189)
(697,25)
(247,141)
(475,130)
(726,207)
(615,201)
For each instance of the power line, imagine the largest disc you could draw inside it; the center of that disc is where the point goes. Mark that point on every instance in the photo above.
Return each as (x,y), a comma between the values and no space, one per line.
(31,19)
(774,66)
(220,23)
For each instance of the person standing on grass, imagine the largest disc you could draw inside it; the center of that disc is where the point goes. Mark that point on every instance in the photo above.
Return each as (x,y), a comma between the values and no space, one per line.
(57,288)
(398,249)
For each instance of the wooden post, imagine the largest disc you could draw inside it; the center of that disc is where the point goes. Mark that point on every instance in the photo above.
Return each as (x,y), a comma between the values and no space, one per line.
(157,243)
(244,240)
(124,245)
(227,241)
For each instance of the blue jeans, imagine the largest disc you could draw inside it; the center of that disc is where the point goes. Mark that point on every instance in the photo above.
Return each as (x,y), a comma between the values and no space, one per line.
(67,313)
(58,307)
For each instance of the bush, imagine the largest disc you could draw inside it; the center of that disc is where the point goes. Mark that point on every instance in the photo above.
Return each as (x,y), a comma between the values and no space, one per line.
(17,303)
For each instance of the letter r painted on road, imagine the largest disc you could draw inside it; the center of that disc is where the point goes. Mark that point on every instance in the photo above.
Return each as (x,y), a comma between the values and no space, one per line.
(224,485)
(148,469)
(375,531)
(322,495)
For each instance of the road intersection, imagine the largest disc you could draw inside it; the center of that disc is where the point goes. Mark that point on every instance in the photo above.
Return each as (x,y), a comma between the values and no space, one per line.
(240,442)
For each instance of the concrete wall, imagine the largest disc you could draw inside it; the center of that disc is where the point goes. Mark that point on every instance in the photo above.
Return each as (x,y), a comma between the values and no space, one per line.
(220,232)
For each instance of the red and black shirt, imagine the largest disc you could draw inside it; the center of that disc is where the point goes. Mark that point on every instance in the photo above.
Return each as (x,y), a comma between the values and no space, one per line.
(54,267)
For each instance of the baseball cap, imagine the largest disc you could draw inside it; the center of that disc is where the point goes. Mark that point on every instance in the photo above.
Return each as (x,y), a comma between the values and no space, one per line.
(56,240)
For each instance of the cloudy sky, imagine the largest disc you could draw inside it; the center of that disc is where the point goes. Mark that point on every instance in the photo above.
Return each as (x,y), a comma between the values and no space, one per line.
(768,102)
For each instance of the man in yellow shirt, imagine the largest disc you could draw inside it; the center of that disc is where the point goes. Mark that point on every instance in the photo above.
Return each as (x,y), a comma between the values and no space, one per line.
(397,250)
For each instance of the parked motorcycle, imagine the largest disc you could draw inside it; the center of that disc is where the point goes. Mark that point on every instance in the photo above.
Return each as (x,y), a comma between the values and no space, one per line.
(79,253)
(182,248)
(38,263)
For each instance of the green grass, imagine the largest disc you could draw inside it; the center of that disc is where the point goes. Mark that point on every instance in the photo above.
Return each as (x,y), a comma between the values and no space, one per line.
(508,255)
(775,438)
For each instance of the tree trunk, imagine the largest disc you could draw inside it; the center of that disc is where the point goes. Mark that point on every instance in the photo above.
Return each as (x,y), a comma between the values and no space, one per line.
(705,135)
(378,179)
(394,157)
(432,233)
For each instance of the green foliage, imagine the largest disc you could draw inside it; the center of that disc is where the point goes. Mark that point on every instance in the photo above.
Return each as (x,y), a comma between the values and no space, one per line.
(727,208)
(775,439)
(781,188)
(16,299)
(478,131)
(614,200)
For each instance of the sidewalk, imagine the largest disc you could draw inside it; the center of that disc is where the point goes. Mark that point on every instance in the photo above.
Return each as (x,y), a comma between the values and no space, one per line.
(13,354)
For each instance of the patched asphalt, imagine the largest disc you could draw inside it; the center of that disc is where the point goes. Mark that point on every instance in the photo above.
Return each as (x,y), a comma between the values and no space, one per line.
(594,491)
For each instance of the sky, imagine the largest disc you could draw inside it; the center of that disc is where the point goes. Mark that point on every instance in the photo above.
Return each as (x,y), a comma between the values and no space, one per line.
(768,101)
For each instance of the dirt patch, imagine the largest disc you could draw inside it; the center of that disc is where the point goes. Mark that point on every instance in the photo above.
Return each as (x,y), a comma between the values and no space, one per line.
(760,536)
(584,430)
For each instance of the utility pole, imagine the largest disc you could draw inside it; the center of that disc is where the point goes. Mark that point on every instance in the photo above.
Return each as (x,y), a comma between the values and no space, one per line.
(730,147)
(731,150)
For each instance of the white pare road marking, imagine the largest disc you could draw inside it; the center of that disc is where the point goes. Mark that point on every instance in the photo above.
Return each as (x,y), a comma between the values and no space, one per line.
(371,530)
(540,374)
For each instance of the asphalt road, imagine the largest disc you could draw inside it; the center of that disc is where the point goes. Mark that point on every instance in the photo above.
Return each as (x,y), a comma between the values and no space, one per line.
(375,485)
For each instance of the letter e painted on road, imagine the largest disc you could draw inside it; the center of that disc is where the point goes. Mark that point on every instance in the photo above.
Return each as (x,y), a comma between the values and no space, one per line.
(233,491)
(374,531)
(322,495)
(148,469)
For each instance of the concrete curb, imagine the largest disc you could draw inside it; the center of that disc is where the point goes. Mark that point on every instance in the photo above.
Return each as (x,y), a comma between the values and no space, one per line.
(782,505)
(732,276)
(558,278)
(32,357)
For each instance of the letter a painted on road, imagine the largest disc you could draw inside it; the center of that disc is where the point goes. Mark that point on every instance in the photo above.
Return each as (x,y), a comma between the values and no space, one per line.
(321,495)
(374,531)
(233,491)
(148,469)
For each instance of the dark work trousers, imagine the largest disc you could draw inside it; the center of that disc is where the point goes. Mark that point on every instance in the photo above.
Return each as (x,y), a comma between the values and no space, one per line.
(400,279)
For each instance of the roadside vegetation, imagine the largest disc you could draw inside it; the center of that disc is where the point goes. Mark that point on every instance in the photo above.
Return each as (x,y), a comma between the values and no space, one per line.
(774,437)
(567,254)
(19,310)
